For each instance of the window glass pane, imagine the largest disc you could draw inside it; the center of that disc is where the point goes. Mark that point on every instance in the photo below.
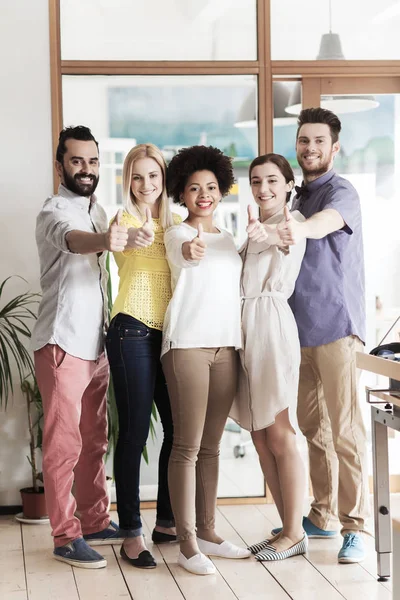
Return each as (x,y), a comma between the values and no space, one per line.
(285,124)
(360,30)
(173,112)
(158,30)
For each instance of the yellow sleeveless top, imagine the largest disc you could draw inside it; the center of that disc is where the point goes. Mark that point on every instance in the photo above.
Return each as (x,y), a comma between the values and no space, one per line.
(144,277)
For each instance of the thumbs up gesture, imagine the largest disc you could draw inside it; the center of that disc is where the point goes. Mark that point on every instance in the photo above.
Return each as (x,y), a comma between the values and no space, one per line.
(255,230)
(143,236)
(116,236)
(196,249)
(289,229)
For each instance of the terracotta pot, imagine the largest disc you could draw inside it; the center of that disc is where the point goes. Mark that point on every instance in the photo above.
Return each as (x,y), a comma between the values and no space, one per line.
(33,503)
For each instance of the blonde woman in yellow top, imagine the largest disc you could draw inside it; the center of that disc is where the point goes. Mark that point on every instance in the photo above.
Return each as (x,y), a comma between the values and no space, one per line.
(134,346)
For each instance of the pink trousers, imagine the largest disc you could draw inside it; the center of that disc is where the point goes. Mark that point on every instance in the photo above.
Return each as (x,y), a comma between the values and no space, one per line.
(73,391)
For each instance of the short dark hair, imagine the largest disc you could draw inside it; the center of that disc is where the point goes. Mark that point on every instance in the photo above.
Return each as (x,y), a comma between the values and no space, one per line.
(198,158)
(278,160)
(80,132)
(320,115)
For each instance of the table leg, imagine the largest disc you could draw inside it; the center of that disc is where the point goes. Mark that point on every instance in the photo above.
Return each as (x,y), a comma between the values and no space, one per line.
(383,524)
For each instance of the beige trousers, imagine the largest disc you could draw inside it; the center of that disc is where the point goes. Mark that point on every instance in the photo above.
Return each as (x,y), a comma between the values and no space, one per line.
(201,385)
(330,417)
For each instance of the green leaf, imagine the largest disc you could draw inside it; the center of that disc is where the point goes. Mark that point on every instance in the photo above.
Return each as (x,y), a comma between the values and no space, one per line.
(15,317)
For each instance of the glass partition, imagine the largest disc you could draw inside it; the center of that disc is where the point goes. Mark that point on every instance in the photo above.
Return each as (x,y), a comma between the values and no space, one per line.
(325,30)
(158,30)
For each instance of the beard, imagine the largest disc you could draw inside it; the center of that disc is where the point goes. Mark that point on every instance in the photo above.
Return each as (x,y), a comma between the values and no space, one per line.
(75,185)
(316,170)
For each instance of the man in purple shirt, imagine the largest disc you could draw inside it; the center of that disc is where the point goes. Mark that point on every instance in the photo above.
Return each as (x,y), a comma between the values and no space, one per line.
(328,304)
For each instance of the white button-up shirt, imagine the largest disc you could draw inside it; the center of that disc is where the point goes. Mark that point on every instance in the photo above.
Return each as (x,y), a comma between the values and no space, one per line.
(73,309)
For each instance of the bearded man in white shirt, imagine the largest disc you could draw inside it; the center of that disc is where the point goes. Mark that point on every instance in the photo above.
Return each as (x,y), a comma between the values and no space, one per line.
(73,237)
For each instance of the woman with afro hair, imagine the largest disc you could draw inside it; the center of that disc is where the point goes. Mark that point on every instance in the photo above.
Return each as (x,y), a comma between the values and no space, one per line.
(201,334)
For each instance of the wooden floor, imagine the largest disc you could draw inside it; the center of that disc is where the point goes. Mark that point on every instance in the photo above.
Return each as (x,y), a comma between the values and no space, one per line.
(28,571)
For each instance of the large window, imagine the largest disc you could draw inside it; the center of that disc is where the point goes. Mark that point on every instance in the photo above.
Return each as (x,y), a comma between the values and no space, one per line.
(158,30)
(234,74)
(173,112)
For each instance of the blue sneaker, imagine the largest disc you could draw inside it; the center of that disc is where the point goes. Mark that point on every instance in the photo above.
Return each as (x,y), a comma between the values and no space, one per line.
(79,554)
(352,550)
(111,535)
(311,530)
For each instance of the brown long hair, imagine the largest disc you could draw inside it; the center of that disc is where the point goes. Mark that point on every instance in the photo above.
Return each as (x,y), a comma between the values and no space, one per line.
(278,160)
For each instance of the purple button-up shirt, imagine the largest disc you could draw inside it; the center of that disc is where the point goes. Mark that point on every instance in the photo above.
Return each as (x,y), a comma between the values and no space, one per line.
(328,302)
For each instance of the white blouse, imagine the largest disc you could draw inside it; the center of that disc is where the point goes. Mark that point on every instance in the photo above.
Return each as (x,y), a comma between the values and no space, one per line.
(204,311)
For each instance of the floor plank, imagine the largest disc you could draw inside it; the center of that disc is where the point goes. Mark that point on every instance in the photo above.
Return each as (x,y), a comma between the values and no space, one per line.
(47,579)
(246,577)
(12,580)
(352,581)
(370,563)
(149,584)
(210,587)
(307,583)
(102,584)
(28,571)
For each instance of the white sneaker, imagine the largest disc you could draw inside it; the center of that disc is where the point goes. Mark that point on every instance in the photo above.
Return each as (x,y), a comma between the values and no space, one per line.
(223,550)
(198,564)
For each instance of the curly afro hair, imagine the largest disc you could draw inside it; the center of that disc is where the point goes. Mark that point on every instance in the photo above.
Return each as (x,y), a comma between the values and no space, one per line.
(198,158)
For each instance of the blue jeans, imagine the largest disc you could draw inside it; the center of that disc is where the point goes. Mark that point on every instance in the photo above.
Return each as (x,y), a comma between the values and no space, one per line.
(133,351)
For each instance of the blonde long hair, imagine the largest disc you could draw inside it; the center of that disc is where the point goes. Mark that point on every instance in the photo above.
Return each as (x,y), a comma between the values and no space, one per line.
(130,204)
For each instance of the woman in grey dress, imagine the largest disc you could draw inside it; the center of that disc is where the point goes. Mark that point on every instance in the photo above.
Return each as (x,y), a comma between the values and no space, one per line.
(270,359)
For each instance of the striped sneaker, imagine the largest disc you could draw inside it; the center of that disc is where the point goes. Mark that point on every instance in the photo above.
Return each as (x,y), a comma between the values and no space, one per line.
(270,552)
(256,548)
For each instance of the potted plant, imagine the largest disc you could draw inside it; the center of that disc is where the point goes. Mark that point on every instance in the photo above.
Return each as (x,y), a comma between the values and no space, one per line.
(15,315)
(33,498)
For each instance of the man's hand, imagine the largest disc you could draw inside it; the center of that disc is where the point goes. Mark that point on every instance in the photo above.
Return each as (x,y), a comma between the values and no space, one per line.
(255,230)
(143,236)
(290,231)
(117,235)
(196,249)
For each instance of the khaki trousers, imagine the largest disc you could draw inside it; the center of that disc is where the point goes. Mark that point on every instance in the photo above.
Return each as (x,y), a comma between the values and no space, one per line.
(330,417)
(201,385)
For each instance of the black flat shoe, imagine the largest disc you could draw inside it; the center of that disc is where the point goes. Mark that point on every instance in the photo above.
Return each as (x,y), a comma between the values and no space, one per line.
(162,538)
(145,560)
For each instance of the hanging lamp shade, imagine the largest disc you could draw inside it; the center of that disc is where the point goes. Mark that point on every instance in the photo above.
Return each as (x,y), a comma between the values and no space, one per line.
(247,116)
(330,47)
(339,105)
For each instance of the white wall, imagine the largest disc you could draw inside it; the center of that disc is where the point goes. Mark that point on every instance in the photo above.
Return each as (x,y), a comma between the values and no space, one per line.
(25,181)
